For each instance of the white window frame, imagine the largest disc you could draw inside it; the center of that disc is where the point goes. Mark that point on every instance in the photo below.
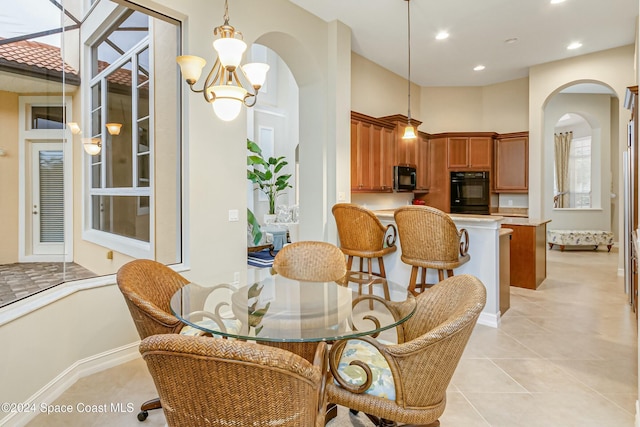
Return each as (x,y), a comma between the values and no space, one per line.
(126,245)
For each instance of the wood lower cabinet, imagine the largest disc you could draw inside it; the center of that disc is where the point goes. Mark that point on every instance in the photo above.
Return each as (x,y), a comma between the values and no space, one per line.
(469,152)
(372,156)
(528,254)
(511,163)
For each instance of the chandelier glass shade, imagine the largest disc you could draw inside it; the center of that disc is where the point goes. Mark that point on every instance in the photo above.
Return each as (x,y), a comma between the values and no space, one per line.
(114,128)
(92,146)
(228,86)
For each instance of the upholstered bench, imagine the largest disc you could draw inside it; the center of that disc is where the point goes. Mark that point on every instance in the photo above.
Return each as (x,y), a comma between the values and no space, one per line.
(580,238)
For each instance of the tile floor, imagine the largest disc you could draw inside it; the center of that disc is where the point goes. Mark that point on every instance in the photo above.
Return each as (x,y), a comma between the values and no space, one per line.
(565,355)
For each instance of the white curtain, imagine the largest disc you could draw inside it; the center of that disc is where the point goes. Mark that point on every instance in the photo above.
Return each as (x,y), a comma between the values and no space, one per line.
(562,149)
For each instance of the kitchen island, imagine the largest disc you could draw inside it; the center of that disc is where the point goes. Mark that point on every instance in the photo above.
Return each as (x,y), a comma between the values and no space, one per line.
(484,249)
(528,251)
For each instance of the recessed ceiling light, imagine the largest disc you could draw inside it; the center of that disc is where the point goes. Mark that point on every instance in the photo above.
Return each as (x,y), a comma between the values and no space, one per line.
(478,68)
(556,1)
(574,45)
(442,35)
(512,40)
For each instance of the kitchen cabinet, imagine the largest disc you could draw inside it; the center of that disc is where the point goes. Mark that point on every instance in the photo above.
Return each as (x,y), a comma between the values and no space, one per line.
(511,163)
(422,163)
(469,152)
(505,269)
(372,154)
(528,252)
(438,174)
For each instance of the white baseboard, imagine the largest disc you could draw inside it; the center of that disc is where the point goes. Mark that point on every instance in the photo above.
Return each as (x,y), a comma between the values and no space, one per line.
(637,423)
(488,319)
(51,391)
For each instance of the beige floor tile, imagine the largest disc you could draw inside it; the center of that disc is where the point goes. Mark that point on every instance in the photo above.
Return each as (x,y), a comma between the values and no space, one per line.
(605,376)
(478,375)
(538,375)
(582,409)
(460,413)
(510,409)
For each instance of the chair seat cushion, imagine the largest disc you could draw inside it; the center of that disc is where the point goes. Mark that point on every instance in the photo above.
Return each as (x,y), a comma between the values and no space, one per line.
(232,326)
(382,384)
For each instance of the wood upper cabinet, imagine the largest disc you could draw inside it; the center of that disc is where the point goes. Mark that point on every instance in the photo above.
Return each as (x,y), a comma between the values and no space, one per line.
(406,150)
(469,152)
(372,156)
(511,170)
(423,168)
(438,175)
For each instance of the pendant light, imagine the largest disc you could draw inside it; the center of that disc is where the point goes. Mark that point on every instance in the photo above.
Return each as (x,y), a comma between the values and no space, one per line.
(409,131)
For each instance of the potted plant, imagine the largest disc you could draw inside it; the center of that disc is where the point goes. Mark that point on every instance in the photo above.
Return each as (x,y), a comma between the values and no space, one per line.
(267,174)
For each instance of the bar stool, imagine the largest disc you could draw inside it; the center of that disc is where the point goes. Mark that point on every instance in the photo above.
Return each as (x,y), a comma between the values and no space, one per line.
(430,239)
(362,235)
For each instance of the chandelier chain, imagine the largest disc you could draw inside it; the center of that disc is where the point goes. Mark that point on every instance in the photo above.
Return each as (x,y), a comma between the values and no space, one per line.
(226,12)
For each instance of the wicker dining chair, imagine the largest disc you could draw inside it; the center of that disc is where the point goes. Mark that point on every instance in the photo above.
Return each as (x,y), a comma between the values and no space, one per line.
(430,239)
(203,381)
(147,287)
(362,235)
(413,376)
(310,261)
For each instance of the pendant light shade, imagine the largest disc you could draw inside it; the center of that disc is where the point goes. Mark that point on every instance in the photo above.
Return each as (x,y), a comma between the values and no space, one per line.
(409,132)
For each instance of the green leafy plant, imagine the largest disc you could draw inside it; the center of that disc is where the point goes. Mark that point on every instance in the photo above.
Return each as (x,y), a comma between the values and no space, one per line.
(266,174)
(254,227)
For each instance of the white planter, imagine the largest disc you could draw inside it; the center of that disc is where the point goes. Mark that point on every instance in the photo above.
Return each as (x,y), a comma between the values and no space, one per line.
(269,218)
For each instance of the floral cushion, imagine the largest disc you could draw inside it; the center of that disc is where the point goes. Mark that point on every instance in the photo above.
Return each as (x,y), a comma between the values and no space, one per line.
(232,325)
(580,237)
(382,384)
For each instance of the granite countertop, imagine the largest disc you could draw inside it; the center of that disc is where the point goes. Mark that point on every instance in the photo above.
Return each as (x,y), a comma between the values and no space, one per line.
(532,222)
(387,214)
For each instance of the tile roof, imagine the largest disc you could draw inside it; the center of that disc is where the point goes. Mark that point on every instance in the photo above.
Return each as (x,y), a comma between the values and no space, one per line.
(33,54)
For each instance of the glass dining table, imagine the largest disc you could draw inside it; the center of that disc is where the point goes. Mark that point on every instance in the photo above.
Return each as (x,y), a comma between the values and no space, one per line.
(274,309)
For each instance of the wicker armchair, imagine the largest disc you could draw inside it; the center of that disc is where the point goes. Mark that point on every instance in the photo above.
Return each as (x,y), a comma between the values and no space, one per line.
(203,381)
(310,261)
(430,239)
(421,367)
(147,287)
(363,235)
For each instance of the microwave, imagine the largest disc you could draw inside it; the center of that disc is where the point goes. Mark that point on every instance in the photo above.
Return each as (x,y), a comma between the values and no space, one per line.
(404,178)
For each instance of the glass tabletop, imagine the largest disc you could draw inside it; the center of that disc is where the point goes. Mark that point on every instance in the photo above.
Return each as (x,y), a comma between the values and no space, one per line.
(278,309)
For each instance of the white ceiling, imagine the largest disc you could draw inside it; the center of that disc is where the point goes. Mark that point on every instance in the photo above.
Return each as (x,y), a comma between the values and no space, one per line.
(478,30)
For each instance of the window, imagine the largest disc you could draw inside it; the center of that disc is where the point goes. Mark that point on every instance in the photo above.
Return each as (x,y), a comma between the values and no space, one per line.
(120,176)
(580,173)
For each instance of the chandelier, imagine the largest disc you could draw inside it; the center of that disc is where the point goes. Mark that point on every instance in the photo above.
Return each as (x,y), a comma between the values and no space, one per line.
(409,131)
(224,88)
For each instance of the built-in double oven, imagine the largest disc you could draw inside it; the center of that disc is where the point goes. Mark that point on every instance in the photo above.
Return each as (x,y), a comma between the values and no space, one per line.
(470,192)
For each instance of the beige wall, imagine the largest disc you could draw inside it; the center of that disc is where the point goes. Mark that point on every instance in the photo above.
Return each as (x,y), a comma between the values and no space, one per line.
(613,68)
(42,345)
(378,92)
(597,111)
(505,106)
(9,177)
(501,107)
